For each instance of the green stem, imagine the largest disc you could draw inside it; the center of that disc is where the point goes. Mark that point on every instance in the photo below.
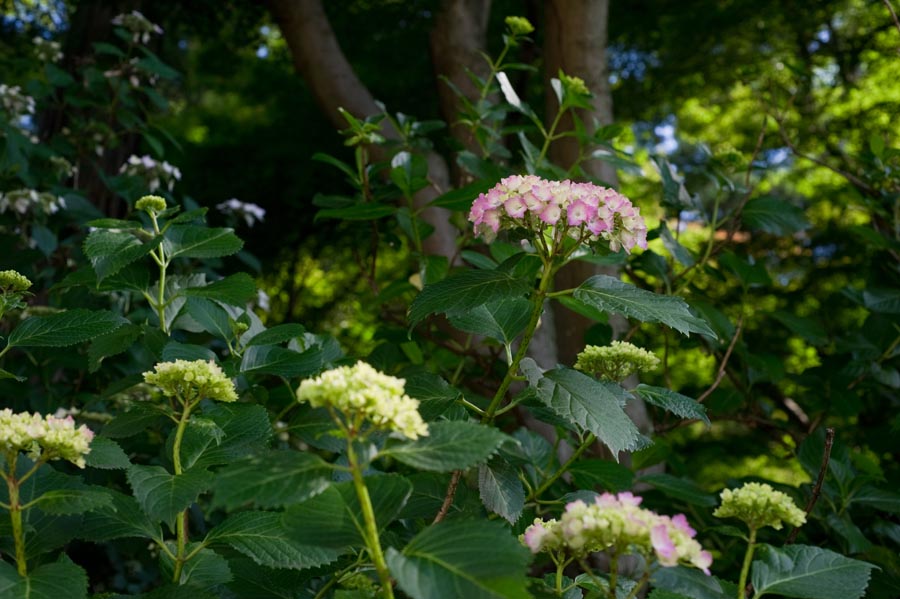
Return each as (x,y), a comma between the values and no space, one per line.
(160,257)
(548,138)
(536,311)
(371,527)
(613,574)
(559,576)
(588,441)
(15,514)
(181,518)
(748,559)
(644,580)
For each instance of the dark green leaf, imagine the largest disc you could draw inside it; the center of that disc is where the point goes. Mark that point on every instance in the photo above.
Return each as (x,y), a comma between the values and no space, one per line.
(163,495)
(774,215)
(678,251)
(277,334)
(206,568)
(122,518)
(106,455)
(188,241)
(210,316)
(464,291)
(461,198)
(185,351)
(610,294)
(111,251)
(808,572)
(608,475)
(450,445)
(691,583)
(235,290)
(679,488)
(262,537)
(239,429)
(134,421)
(49,581)
(272,479)
(435,395)
(678,404)
(501,490)
(503,320)
(65,328)
(73,501)
(364,211)
(268,359)
(111,344)
(475,560)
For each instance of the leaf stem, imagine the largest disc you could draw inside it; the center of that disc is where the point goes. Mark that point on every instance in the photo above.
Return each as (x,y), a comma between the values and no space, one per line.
(160,258)
(373,544)
(588,441)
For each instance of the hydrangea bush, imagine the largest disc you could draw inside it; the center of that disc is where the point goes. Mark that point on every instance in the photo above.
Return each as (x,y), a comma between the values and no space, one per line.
(218,455)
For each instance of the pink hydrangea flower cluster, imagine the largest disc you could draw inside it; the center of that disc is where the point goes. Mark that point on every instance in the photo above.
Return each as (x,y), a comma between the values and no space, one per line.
(617,524)
(586,212)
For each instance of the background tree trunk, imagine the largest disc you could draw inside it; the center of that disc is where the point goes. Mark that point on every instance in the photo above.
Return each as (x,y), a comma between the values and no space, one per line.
(317,55)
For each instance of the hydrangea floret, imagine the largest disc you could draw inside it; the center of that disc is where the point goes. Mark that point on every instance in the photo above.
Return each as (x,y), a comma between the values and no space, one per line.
(759,505)
(154,173)
(251,213)
(616,361)
(191,381)
(140,26)
(617,524)
(362,393)
(582,211)
(44,437)
(23,201)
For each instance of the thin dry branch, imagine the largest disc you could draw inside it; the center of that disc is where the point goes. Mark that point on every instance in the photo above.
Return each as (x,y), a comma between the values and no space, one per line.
(893,14)
(721,373)
(448,498)
(817,489)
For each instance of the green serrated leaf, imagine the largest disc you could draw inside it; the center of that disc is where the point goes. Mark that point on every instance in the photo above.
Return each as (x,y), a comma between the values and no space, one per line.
(608,475)
(461,198)
(49,581)
(610,294)
(235,290)
(64,328)
(205,570)
(211,317)
(241,429)
(466,290)
(678,404)
(774,215)
(334,517)
(435,395)
(122,518)
(188,241)
(72,501)
(273,479)
(173,350)
(269,359)
(136,420)
(106,454)
(111,344)
(452,445)
(262,537)
(501,490)
(277,334)
(692,583)
(593,405)
(111,251)
(163,495)
(808,572)
(503,320)
(475,560)
(678,251)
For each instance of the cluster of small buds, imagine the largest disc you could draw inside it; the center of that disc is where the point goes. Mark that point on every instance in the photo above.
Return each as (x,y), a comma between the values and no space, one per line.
(23,201)
(191,381)
(759,505)
(63,168)
(360,391)
(584,211)
(141,27)
(47,438)
(615,362)
(134,73)
(251,213)
(151,204)
(519,25)
(617,523)
(47,50)
(12,281)
(154,173)
(574,85)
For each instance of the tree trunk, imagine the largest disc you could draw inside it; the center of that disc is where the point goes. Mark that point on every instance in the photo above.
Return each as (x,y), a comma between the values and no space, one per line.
(318,57)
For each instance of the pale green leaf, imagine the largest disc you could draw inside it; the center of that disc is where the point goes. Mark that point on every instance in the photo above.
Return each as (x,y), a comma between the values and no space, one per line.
(450,445)
(465,290)
(808,572)
(462,558)
(612,295)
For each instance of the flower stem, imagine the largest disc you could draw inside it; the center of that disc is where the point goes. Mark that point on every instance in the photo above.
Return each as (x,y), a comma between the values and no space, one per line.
(613,574)
(371,527)
(536,311)
(181,518)
(15,514)
(644,580)
(588,441)
(748,559)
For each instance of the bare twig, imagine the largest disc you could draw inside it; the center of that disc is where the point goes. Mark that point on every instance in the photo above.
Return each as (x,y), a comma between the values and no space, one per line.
(893,14)
(721,373)
(448,499)
(817,490)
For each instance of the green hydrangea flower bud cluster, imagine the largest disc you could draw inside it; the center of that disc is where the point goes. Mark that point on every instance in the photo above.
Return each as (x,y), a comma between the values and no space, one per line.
(519,25)
(759,505)
(47,438)
(362,393)
(617,524)
(13,282)
(150,204)
(191,381)
(616,361)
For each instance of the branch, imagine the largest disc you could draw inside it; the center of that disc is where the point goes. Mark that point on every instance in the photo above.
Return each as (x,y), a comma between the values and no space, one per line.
(817,490)
(893,14)
(721,373)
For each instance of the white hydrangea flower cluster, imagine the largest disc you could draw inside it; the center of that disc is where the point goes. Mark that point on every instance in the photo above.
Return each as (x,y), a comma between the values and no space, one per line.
(47,50)
(141,27)
(759,505)
(64,169)
(251,213)
(191,381)
(16,104)
(153,172)
(48,438)
(360,391)
(133,71)
(616,361)
(23,201)
(617,524)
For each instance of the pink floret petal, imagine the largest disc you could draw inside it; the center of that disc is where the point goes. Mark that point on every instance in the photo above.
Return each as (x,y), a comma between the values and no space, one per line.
(663,545)
(680,522)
